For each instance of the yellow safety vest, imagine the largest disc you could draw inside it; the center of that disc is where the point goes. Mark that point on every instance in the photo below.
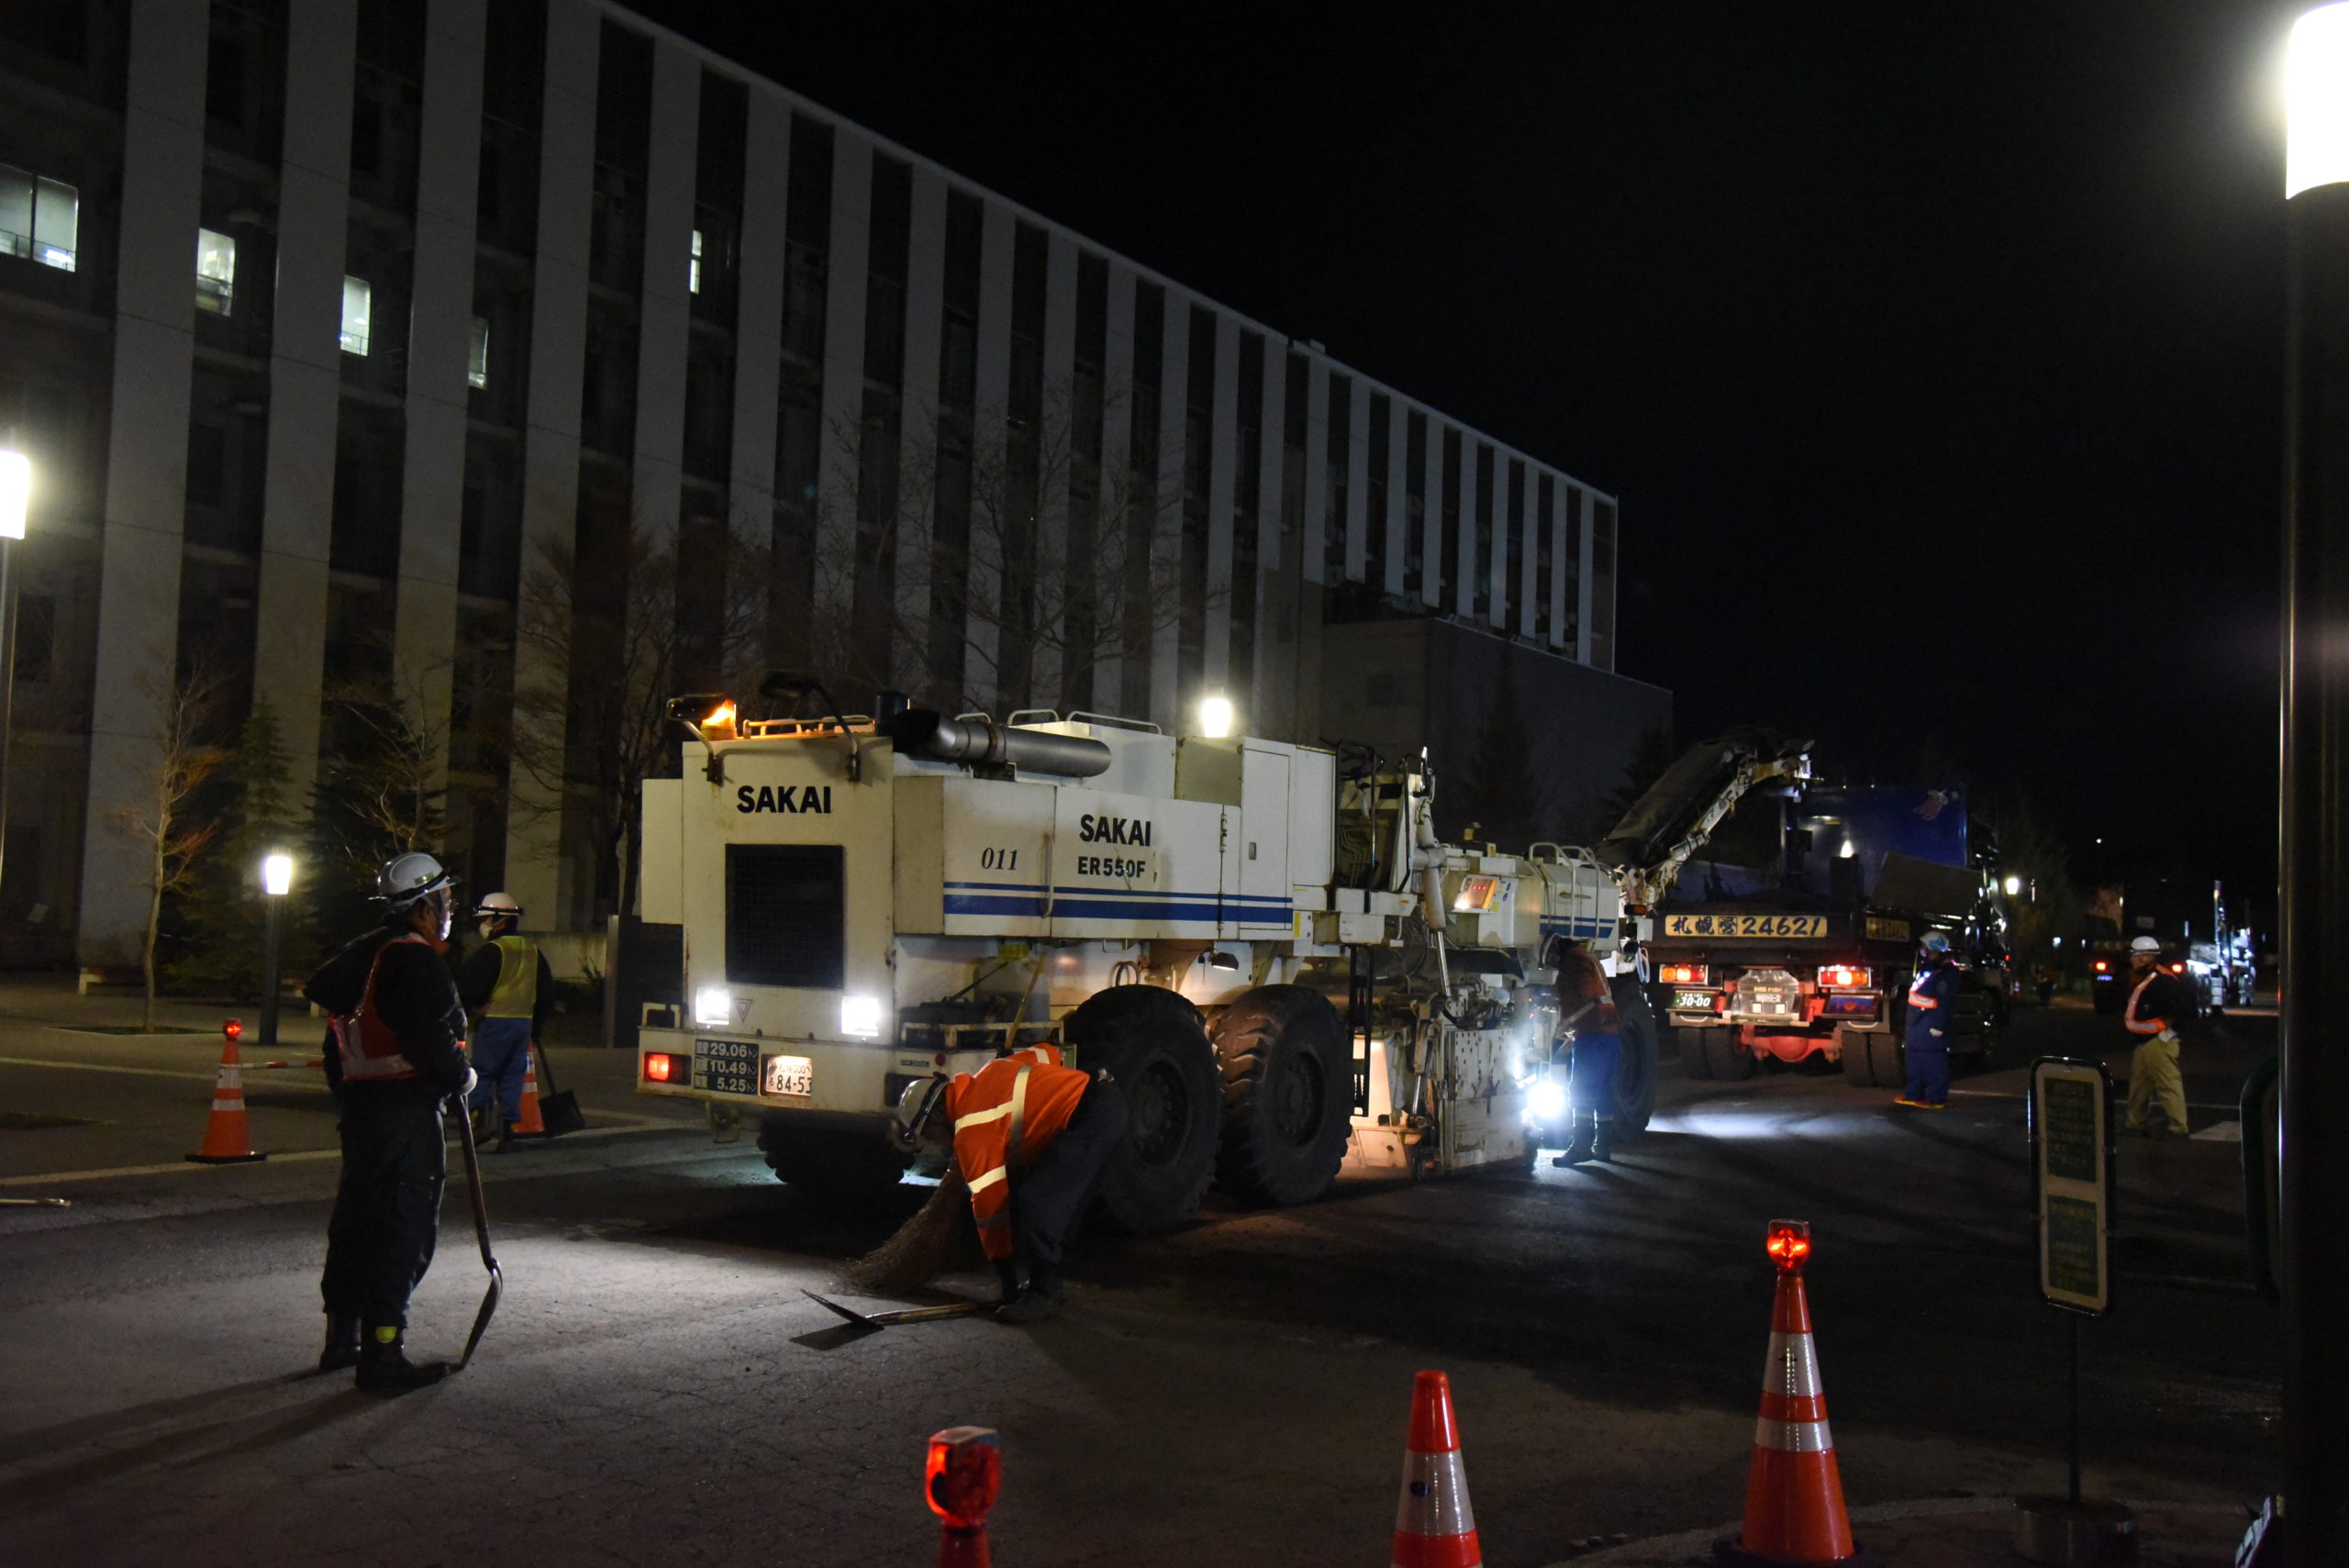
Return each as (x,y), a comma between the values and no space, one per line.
(516,995)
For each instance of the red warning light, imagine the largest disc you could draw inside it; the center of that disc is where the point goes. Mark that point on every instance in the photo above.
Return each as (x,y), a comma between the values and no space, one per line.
(233,1028)
(660,1067)
(964,1472)
(1789,1244)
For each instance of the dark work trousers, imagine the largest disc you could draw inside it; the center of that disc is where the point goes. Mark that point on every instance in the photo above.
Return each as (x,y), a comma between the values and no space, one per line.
(1591,1078)
(387,1210)
(1928,1078)
(1048,1198)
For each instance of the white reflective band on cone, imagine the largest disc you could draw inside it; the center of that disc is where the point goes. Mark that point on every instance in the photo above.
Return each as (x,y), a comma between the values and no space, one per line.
(227,1104)
(1792,1437)
(1793,1366)
(1435,1496)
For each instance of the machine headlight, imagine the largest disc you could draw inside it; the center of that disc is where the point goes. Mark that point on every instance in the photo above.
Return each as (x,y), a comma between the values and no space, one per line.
(861,1016)
(1547,1102)
(713,1007)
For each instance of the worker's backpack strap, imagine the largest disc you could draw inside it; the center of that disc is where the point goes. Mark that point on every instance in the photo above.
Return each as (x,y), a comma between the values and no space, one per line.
(1018,1118)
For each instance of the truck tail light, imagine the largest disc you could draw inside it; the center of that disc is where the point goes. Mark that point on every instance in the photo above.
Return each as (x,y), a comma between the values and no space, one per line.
(1684,974)
(660,1067)
(2101,966)
(1842,977)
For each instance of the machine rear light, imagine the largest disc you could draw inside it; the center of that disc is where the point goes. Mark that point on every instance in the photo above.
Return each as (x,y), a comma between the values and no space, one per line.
(1842,977)
(660,1067)
(2101,966)
(2177,969)
(1683,974)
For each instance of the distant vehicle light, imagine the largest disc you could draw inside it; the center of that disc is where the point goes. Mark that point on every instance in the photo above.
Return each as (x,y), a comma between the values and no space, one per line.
(713,1007)
(660,1067)
(861,1016)
(1547,1102)
(1685,973)
(2101,966)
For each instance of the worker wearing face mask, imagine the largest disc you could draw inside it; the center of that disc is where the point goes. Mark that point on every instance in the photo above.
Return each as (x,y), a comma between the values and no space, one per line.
(509,988)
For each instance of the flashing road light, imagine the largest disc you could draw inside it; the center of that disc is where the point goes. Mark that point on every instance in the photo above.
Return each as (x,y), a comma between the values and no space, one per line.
(277,873)
(1789,1244)
(1215,718)
(963,1476)
(16,492)
(2316,100)
(232,1028)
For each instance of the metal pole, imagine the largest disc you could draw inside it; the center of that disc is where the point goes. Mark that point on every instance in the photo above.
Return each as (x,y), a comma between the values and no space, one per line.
(270,983)
(2314,1175)
(8,684)
(2075,1408)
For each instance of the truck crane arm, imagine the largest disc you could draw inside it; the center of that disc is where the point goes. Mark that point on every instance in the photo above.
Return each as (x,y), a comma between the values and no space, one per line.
(1675,818)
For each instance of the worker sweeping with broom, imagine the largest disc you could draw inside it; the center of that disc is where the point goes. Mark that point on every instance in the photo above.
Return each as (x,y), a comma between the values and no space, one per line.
(1030,1137)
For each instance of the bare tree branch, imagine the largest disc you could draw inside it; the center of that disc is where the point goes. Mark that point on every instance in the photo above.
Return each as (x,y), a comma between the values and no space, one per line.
(160,823)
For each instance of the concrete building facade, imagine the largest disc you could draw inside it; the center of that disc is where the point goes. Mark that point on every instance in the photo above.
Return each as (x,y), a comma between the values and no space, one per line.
(343,333)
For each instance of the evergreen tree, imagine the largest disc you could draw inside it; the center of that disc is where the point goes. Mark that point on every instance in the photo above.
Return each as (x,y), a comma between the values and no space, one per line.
(1497,793)
(223,913)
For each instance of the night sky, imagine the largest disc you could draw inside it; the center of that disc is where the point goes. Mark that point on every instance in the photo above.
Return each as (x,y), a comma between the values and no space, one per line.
(1935,351)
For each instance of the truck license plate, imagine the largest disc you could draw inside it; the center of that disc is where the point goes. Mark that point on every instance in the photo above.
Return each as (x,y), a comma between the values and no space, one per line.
(788,1075)
(726,1066)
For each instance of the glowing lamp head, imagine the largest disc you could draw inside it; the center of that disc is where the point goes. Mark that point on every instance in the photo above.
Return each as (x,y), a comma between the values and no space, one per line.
(1789,1244)
(713,1007)
(2014,888)
(861,1016)
(277,873)
(660,1067)
(16,492)
(963,1476)
(233,1029)
(1215,718)
(1547,1102)
(2316,101)
(719,722)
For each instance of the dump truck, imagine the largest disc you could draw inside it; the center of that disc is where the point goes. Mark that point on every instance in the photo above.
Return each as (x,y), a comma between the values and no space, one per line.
(1266,943)
(1797,939)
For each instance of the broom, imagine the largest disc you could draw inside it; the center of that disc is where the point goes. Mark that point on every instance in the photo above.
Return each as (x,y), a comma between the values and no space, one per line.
(942,1239)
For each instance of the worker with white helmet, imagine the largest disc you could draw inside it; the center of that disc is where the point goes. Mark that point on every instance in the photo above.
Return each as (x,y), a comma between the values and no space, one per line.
(1924,1046)
(394,1050)
(509,988)
(2155,1008)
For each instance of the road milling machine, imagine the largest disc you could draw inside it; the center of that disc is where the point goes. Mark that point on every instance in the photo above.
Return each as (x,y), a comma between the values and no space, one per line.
(1264,943)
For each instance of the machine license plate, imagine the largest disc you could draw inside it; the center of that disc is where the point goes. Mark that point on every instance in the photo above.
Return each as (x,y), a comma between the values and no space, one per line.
(788,1075)
(1692,1001)
(726,1066)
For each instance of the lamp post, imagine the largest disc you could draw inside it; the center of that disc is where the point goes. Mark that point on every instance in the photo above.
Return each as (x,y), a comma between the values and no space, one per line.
(2313,1173)
(16,499)
(276,882)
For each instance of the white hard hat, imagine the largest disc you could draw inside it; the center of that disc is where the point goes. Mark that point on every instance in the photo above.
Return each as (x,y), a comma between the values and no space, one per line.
(407,879)
(498,906)
(2146,945)
(915,1104)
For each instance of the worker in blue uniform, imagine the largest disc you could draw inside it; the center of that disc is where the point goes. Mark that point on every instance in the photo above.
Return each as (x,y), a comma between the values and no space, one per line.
(1931,1002)
(1590,1018)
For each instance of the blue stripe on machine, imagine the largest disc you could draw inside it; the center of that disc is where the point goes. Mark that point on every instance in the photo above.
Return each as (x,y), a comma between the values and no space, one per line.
(1557,926)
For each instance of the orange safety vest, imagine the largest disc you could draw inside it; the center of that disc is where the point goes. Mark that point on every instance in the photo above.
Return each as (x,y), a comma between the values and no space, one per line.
(1004,1116)
(2129,1019)
(369,1048)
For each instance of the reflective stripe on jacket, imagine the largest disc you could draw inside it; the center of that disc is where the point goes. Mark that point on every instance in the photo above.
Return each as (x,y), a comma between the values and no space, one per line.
(1004,1116)
(2151,1015)
(516,994)
(1583,993)
(369,1049)
(1929,1009)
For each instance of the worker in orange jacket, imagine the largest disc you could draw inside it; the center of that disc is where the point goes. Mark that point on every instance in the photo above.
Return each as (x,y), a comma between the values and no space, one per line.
(1031,1137)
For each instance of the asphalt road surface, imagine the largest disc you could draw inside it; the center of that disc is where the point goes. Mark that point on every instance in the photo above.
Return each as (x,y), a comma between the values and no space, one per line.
(655,1388)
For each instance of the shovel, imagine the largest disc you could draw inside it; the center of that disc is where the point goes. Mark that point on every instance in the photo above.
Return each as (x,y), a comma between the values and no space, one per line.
(558,1111)
(480,1234)
(901,1315)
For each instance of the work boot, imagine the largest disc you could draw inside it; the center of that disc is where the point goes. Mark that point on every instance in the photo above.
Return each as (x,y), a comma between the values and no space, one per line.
(384,1368)
(342,1343)
(1583,1144)
(1040,1300)
(1008,1276)
(1602,1143)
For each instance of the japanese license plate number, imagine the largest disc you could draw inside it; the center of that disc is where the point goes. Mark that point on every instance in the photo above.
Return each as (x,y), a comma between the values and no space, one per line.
(726,1066)
(787,1076)
(1693,1001)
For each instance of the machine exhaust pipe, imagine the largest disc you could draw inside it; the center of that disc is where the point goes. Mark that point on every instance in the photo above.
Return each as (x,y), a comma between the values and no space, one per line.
(982,742)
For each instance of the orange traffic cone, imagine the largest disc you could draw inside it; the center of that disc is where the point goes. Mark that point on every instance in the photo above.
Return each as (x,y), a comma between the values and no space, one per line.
(1435,1526)
(1793,1493)
(531,1124)
(227,1139)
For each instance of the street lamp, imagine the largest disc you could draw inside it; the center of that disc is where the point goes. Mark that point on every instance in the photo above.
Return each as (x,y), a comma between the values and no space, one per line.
(276,882)
(2312,1179)
(15,500)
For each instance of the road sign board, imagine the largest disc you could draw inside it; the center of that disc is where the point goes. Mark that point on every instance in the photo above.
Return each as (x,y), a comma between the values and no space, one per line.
(2071,1144)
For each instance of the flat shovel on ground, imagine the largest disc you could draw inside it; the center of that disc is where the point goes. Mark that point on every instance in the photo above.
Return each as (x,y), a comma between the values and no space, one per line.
(480,1234)
(901,1315)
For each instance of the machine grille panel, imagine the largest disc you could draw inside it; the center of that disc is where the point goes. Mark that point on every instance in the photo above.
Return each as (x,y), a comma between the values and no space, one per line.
(784,922)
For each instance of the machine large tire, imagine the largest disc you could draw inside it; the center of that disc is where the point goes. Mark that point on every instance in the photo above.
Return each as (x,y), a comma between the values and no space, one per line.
(1691,1042)
(1151,1041)
(1287,1095)
(1886,1066)
(1852,1045)
(828,1164)
(1725,1056)
(1636,1066)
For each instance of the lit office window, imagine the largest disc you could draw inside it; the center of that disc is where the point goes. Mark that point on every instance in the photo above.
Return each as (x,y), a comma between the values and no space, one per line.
(216,271)
(693,268)
(477,363)
(40,218)
(358,306)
